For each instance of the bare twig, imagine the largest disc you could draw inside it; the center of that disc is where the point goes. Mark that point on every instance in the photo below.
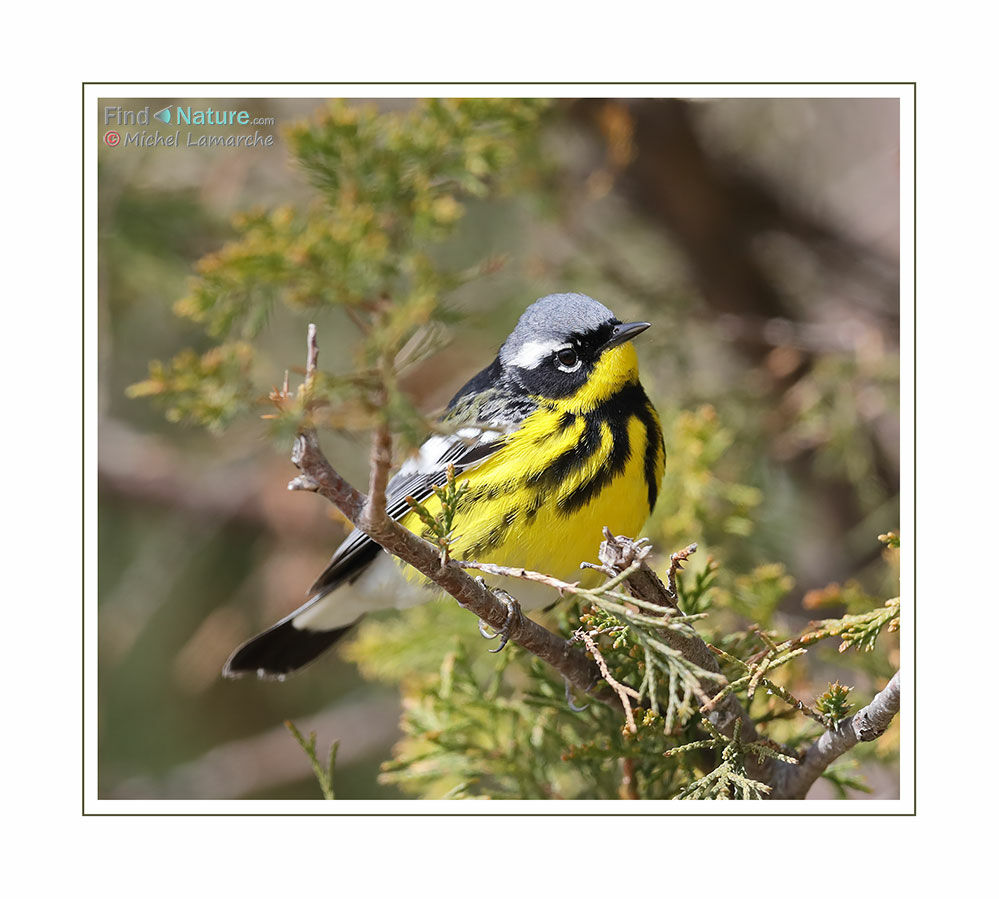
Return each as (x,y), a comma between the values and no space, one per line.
(381,462)
(522,573)
(629,789)
(606,591)
(312,360)
(623,692)
(619,553)
(676,564)
(794,781)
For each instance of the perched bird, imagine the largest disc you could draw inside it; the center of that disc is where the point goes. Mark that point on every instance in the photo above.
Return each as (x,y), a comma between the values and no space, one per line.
(556,439)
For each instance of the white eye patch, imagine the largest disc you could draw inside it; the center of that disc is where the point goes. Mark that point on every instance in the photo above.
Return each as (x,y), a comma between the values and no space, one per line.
(532,353)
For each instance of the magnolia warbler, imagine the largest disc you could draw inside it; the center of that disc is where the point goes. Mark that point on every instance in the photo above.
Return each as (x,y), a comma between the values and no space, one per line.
(556,439)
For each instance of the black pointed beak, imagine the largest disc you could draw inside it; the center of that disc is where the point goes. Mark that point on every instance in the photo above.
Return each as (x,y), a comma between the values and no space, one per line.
(624,333)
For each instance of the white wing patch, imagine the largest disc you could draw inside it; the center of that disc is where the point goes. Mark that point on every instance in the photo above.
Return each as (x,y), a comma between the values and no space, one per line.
(425,461)
(440,449)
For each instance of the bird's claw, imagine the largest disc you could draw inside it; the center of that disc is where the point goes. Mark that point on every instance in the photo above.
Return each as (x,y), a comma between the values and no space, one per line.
(568,697)
(514,616)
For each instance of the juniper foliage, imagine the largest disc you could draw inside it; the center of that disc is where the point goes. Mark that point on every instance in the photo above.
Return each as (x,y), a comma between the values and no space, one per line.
(324,773)
(390,190)
(478,729)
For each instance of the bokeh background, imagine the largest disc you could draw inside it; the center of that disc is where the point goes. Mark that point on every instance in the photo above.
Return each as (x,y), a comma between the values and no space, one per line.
(760,236)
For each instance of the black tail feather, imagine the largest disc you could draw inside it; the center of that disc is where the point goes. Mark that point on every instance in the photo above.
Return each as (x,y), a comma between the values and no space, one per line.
(280,650)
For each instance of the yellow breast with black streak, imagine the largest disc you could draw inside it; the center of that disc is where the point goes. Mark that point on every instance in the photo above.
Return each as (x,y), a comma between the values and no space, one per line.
(574,466)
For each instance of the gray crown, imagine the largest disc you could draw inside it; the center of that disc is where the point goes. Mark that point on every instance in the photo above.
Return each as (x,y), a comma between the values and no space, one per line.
(556,317)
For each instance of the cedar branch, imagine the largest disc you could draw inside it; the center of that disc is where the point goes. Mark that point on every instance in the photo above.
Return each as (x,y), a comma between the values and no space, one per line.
(789,781)
(621,553)
(794,781)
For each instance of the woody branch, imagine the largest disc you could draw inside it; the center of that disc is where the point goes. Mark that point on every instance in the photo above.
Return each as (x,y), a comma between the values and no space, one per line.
(788,781)
(793,782)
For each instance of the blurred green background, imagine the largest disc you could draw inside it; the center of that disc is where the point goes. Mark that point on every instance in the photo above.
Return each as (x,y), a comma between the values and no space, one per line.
(760,236)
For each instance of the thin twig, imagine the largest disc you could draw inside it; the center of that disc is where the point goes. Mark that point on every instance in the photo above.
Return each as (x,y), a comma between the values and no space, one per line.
(312,360)
(522,573)
(676,564)
(361,324)
(757,673)
(381,462)
(623,692)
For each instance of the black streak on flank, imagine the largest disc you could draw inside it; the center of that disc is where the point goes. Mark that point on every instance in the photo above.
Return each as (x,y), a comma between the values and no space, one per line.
(654,445)
(495,537)
(617,459)
(573,459)
(567,420)
(617,410)
(535,506)
(628,402)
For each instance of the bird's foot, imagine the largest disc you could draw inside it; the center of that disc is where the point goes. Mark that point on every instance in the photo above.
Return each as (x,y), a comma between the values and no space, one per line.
(514,616)
(568,697)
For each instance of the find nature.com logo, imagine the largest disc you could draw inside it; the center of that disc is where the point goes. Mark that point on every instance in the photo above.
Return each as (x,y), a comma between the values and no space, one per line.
(178,115)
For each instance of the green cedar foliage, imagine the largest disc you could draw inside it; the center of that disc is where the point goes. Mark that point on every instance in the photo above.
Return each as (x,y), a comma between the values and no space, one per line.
(478,726)
(390,186)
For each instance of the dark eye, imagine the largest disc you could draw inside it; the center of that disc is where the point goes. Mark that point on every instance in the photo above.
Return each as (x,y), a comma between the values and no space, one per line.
(567,358)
